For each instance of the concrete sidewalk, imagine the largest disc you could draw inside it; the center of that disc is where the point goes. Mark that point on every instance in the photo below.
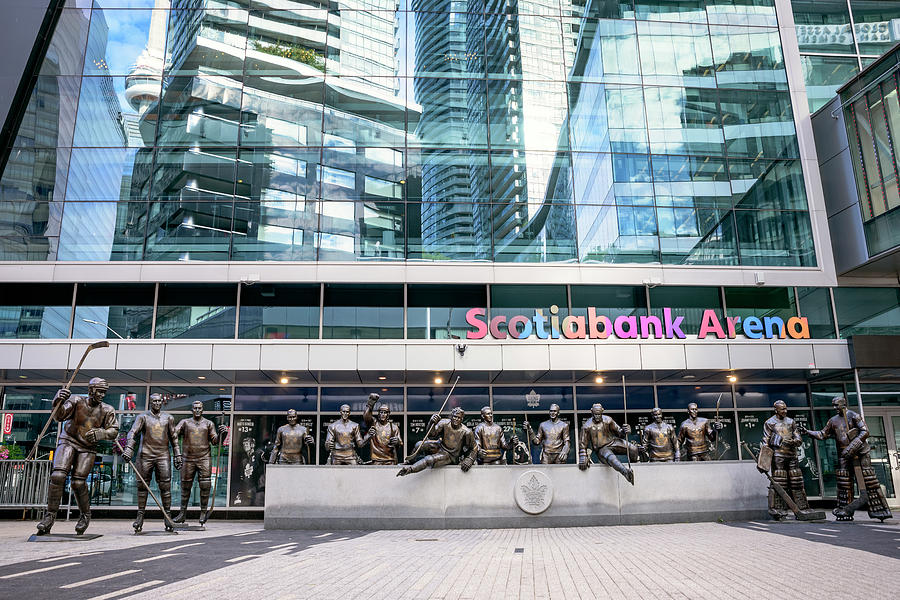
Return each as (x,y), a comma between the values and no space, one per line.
(240,560)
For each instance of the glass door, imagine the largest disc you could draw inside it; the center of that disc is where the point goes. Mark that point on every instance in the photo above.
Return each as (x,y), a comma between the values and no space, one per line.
(884,438)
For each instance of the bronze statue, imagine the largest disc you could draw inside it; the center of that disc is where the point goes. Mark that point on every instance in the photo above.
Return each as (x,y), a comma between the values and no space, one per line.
(197,436)
(781,434)
(448,441)
(850,434)
(157,432)
(383,435)
(492,442)
(290,441)
(605,437)
(695,434)
(659,442)
(85,421)
(552,437)
(342,440)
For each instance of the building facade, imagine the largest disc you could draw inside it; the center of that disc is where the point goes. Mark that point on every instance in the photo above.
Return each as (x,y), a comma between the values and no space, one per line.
(274,204)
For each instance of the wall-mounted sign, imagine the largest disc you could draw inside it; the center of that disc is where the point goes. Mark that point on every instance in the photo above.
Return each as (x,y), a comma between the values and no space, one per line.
(601,327)
(841,34)
(7,423)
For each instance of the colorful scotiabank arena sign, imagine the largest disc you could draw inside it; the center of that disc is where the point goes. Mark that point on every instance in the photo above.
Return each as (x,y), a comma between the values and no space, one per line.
(601,327)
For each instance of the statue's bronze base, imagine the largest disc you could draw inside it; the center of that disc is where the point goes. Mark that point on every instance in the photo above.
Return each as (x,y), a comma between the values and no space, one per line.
(64,537)
(186,527)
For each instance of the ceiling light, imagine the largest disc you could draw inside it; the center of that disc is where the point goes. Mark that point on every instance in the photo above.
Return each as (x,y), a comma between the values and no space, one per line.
(598,379)
(689,376)
(284,380)
(201,376)
(732,378)
(438,380)
(23,376)
(381,378)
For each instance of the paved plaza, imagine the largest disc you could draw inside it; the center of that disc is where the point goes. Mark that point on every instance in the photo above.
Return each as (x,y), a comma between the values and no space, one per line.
(241,560)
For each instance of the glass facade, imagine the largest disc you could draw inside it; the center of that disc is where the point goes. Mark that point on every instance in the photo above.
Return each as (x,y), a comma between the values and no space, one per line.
(255,413)
(837,38)
(412,311)
(533,131)
(872,115)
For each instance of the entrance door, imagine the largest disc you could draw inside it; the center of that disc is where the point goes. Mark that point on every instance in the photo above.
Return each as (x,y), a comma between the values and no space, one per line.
(884,438)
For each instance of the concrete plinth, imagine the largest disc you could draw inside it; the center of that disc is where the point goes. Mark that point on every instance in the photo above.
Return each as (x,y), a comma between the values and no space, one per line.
(368,497)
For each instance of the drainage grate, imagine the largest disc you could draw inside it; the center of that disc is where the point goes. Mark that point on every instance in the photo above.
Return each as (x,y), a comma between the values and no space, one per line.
(519,551)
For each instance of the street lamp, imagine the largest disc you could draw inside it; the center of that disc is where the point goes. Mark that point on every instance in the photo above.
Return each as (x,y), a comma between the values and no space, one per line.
(93,322)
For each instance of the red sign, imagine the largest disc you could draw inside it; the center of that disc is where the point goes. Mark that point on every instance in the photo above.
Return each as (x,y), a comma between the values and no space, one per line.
(7,423)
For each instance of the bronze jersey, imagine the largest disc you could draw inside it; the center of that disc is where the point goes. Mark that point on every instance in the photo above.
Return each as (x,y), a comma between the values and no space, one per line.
(836,428)
(156,433)
(346,438)
(289,443)
(694,436)
(453,441)
(380,443)
(596,435)
(659,441)
(492,440)
(78,417)
(197,437)
(789,436)
(552,436)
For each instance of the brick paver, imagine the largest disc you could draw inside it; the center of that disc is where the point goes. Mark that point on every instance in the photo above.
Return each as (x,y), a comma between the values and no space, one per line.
(689,561)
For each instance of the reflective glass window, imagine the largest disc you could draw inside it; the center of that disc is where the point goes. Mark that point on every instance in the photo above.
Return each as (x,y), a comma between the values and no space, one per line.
(302,400)
(356,397)
(824,75)
(363,311)
(180,398)
(429,399)
(253,437)
(445,231)
(532,398)
(609,300)
(530,300)
(439,311)
(279,311)
(815,305)
(765,396)
(769,237)
(875,31)
(41,310)
(823,26)
(638,397)
(25,430)
(113,311)
(195,311)
(867,311)
(760,302)
(687,302)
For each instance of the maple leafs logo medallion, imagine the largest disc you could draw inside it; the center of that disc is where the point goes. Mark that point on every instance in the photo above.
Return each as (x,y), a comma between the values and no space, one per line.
(533,399)
(533,492)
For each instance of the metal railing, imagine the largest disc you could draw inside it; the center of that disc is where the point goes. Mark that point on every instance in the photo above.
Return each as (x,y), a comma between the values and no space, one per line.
(24,482)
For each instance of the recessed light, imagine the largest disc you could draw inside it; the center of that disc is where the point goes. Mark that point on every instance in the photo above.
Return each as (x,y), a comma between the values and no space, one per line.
(381,378)
(689,376)
(23,376)
(201,376)
(732,378)
(438,380)
(284,380)
(598,379)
